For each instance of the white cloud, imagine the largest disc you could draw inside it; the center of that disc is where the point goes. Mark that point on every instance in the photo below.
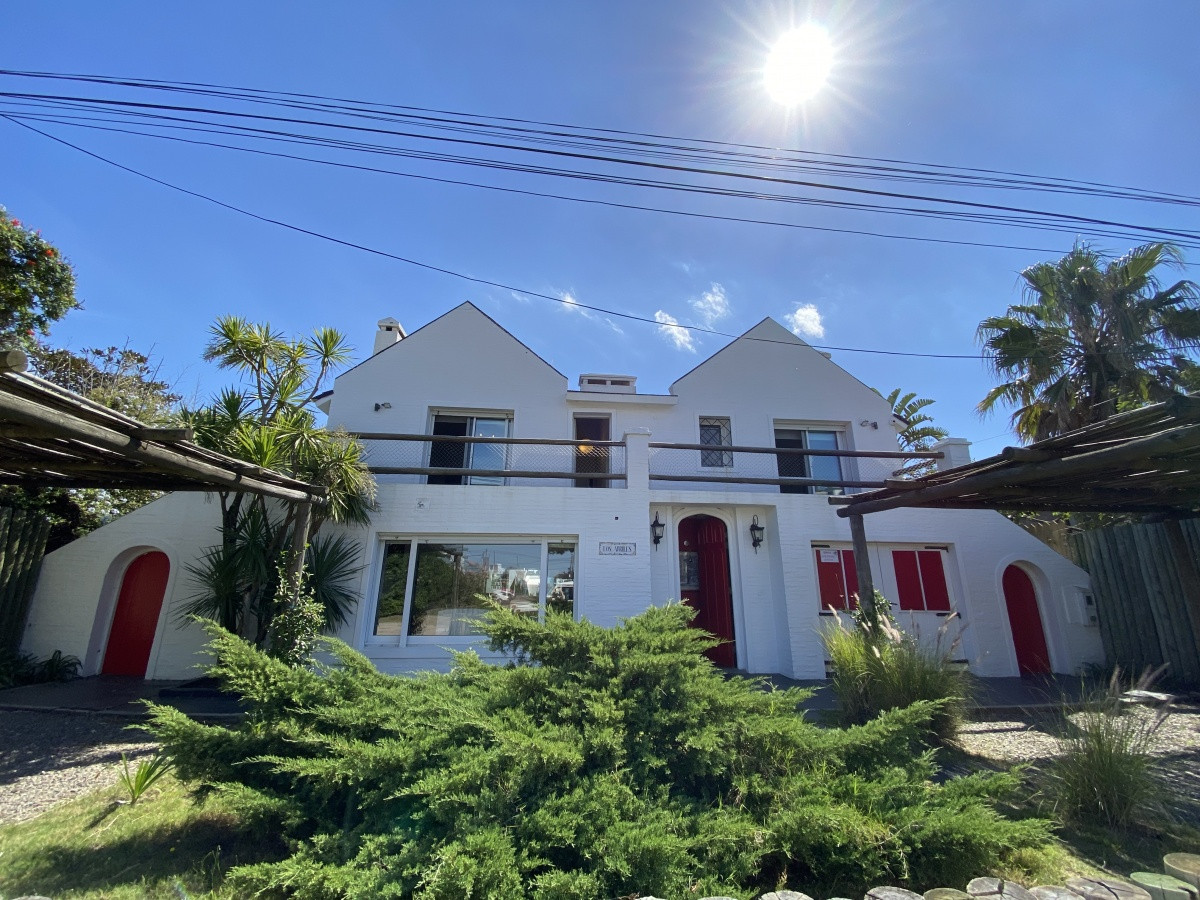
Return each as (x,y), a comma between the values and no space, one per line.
(571,305)
(669,328)
(805,321)
(713,306)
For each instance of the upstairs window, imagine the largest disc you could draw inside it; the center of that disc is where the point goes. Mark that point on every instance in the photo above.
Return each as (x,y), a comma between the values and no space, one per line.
(482,456)
(921,580)
(715,431)
(826,468)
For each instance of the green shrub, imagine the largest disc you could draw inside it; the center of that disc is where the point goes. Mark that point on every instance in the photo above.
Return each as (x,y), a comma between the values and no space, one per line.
(1104,771)
(17,669)
(607,762)
(141,778)
(877,667)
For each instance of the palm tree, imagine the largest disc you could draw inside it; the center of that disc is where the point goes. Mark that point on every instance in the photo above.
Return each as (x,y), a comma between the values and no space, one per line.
(919,433)
(1094,336)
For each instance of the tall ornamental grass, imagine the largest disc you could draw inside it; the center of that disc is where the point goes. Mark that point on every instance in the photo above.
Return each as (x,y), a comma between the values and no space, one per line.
(877,667)
(1104,773)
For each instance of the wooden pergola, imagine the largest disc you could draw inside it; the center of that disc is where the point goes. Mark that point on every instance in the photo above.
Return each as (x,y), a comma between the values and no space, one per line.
(52,437)
(1144,462)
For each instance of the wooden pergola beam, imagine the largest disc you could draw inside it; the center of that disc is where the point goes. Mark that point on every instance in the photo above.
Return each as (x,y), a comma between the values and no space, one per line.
(60,424)
(1114,458)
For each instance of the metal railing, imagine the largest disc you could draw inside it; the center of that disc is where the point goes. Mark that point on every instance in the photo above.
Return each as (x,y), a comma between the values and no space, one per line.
(820,471)
(453,459)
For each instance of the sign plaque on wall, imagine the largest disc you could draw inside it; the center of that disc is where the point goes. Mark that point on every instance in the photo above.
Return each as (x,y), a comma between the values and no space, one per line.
(618,548)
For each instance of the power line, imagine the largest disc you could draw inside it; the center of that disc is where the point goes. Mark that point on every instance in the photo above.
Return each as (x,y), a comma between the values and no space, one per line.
(453,273)
(992,208)
(351,104)
(265,134)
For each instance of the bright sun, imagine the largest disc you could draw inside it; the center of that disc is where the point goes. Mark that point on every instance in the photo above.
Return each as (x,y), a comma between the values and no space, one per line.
(798,65)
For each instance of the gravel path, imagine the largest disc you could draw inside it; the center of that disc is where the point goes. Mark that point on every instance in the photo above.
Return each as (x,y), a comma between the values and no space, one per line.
(48,757)
(1004,739)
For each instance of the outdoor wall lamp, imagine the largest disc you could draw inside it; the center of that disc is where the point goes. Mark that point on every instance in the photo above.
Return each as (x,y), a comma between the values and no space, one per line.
(657,530)
(756,534)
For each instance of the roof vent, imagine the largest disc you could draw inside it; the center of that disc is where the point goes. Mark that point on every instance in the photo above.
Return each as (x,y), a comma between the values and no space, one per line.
(608,384)
(390,332)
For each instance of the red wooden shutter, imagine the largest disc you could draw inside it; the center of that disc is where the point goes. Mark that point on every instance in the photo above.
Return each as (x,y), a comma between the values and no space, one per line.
(933,579)
(851,575)
(908,580)
(831,582)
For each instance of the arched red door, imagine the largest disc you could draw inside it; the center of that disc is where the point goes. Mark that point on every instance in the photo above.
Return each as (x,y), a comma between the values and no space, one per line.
(1029,640)
(705,584)
(131,636)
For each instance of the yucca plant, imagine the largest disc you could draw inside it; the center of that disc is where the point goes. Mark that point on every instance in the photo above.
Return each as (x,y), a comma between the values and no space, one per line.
(142,777)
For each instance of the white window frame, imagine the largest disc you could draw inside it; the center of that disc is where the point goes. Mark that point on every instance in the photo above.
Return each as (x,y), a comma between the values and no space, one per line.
(842,436)
(472,414)
(370,639)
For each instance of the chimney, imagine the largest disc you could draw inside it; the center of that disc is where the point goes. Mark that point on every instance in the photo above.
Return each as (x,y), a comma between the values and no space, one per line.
(389,333)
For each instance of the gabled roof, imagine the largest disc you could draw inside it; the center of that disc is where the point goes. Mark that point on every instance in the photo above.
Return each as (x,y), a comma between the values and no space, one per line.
(467,305)
(770,331)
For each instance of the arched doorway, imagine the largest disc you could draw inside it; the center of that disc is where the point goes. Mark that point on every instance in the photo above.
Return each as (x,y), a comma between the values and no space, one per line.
(704,582)
(131,635)
(1029,639)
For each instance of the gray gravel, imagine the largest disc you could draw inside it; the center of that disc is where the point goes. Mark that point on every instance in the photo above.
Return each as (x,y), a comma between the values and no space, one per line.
(49,757)
(1009,739)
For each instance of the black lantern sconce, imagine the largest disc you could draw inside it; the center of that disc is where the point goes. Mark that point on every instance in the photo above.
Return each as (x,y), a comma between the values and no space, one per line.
(657,530)
(756,534)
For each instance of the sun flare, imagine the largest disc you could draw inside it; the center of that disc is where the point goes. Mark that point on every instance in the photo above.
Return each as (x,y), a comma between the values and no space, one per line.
(798,65)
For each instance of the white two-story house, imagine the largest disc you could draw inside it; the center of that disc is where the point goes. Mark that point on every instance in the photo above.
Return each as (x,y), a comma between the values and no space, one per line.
(497,477)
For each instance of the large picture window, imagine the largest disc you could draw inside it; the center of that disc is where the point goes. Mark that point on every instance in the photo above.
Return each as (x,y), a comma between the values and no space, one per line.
(439,587)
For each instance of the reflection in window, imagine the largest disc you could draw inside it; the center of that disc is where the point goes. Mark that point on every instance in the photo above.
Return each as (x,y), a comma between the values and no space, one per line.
(482,456)
(560,583)
(389,610)
(445,586)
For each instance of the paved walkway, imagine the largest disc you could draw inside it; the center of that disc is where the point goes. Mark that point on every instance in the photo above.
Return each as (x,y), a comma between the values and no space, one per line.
(122,696)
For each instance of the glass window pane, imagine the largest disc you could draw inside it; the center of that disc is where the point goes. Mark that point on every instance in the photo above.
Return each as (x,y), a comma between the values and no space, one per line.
(450,579)
(826,467)
(715,431)
(560,578)
(389,610)
(491,457)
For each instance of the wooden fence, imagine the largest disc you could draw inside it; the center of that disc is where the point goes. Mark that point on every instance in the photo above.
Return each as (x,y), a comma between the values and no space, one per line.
(1140,592)
(22,545)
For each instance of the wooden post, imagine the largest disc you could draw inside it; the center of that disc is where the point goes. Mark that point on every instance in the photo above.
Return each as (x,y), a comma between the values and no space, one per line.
(299,542)
(862,565)
(1189,578)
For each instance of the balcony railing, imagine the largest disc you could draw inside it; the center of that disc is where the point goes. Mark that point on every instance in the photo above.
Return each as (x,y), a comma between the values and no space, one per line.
(452,459)
(815,470)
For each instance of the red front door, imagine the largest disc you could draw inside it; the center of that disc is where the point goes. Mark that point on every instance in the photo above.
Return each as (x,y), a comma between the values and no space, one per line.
(705,584)
(136,617)
(1029,640)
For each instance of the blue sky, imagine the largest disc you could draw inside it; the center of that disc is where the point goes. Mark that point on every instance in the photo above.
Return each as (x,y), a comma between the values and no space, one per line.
(1097,91)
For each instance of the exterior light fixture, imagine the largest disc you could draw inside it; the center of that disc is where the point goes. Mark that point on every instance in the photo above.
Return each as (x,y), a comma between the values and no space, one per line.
(756,534)
(657,530)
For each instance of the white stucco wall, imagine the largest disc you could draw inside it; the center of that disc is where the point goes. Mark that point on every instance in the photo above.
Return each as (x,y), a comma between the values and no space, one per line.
(756,383)
(72,607)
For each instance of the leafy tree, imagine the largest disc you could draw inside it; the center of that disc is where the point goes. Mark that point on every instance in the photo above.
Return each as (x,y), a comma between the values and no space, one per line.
(37,284)
(919,435)
(1094,336)
(269,421)
(618,762)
